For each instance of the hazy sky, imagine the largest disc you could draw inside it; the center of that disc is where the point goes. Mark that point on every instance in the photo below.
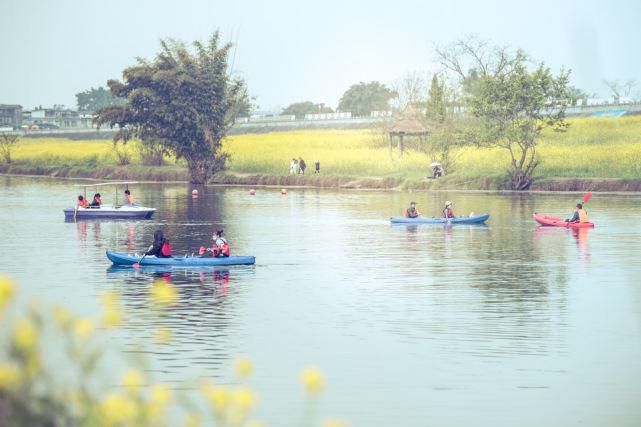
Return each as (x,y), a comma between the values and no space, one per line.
(295,50)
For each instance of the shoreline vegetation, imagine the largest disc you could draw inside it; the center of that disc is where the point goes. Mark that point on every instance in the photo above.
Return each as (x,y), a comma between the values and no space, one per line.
(593,154)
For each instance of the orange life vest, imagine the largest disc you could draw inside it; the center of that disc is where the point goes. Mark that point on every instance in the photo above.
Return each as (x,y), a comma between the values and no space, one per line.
(583,216)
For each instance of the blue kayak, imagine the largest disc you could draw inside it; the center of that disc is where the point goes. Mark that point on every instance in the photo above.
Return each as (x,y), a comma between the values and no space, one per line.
(122,258)
(476,219)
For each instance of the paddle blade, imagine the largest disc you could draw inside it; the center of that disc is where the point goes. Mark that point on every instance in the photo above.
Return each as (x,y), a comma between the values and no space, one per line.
(587,197)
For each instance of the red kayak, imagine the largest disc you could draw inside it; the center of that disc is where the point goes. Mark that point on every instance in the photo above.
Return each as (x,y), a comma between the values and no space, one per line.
(554,221)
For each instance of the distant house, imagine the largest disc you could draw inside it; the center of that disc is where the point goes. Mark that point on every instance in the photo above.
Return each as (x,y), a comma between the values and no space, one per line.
(10,116)
(57,117)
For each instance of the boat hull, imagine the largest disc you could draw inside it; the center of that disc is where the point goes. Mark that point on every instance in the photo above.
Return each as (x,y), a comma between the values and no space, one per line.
(553,221)
(122,258)
(124,212)
(476,219)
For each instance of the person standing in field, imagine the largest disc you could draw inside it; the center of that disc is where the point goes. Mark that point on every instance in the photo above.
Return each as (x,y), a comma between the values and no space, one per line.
(302,165)
(293,166)
(317,167)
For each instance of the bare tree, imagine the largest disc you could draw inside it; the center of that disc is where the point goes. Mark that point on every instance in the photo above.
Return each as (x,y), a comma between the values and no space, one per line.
(411,89)
(619,89)
(8,141)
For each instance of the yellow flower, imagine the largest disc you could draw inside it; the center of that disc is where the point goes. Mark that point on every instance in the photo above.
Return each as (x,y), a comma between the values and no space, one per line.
(117,409)
(334,423)
(218,397)
(83,327)
(132,381)
(160,394)
(110,299)
(112,316)
(163,294)
(244,367)
(7,291)
(192,420)
(162,335)
(25,336)
(244,398)
(9,376)
(312,380)
(62,316)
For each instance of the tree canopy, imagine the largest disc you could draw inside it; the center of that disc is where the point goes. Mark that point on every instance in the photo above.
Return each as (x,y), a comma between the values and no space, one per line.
(299,109)
(363,98)
(184,100)
(96,99)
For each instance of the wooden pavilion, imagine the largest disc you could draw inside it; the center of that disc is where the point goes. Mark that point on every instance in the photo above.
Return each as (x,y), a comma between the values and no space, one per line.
(408,123)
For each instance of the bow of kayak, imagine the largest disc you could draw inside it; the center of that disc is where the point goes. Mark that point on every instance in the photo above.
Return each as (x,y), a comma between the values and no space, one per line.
(553,221)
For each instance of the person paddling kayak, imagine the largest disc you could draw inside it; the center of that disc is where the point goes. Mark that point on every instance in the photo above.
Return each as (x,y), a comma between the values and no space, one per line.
(412,212)
(82,202)
(448,212)
(220,248)
(580,215)
(161,247)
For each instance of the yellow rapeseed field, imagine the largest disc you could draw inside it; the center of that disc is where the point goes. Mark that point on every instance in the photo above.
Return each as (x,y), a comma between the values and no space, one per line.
(590,148)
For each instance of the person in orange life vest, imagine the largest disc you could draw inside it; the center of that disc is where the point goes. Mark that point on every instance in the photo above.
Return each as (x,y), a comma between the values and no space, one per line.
(161,248)
(448,212)
(96,202)
(412,212)
(221,246)
(580,215)
(82,203)
(129,199)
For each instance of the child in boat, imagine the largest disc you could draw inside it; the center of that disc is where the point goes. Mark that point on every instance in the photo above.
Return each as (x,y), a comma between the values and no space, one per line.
(129,199)
(96,202)
(580,215)
(448,212)
(412,212)
(220,247)
(81,203)
(161,248)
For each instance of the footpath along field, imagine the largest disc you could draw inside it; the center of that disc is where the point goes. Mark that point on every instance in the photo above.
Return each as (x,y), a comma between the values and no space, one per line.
(590,149)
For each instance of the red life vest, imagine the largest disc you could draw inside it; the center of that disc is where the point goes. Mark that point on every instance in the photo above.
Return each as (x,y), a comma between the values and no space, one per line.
(408,214)
(166,248)
(448,213)
(225,249)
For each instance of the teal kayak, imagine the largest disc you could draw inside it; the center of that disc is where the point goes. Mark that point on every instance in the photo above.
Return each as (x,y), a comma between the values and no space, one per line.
(122,258)
(475,219)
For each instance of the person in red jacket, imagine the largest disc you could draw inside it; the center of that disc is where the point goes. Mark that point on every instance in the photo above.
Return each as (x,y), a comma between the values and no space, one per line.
(412,212)
(221,246)
(161,247)
(82,202)
(448,212)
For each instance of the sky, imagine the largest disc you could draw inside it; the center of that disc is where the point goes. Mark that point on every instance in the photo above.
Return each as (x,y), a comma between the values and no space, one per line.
(293,50)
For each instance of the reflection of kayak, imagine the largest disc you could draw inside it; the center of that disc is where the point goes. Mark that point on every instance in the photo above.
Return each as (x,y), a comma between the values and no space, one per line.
(554,221)
(121,258)
(476,219)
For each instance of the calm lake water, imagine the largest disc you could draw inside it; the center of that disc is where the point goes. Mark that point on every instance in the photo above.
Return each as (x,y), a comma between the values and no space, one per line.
(502,325)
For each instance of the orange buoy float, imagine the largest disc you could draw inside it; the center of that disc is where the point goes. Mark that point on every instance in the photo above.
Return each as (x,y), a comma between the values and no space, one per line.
(283,191)
(252,192)
(194,193)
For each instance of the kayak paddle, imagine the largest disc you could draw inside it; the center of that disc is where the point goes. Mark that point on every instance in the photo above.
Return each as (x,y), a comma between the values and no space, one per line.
(587,197)
(137,264)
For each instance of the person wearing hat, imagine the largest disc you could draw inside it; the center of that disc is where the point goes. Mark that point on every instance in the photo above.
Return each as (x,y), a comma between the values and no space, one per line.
(448,212)
(221,246)
(412,212)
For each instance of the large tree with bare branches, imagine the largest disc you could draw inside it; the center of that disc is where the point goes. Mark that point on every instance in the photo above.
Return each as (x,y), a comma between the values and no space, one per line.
(512,100)
(184,100)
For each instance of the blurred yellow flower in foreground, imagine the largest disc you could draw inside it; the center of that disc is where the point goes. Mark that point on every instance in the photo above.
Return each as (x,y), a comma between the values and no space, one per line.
(9,376)
(25,335)
(163,294)
(132,381)
(112,316)
(162,335)
(243,367)
(62,316)
(7,291)
(218,396)
(117,409)
(83,327)
(192,420)
(312,380)
(334,423)
(244,398)
(160,394)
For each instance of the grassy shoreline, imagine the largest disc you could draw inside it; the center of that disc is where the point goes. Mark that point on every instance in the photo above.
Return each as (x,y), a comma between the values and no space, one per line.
(594,154)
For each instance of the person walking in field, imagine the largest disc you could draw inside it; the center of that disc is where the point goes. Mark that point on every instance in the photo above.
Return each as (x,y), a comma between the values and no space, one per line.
(293,166)
(302,166)
(317,167)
